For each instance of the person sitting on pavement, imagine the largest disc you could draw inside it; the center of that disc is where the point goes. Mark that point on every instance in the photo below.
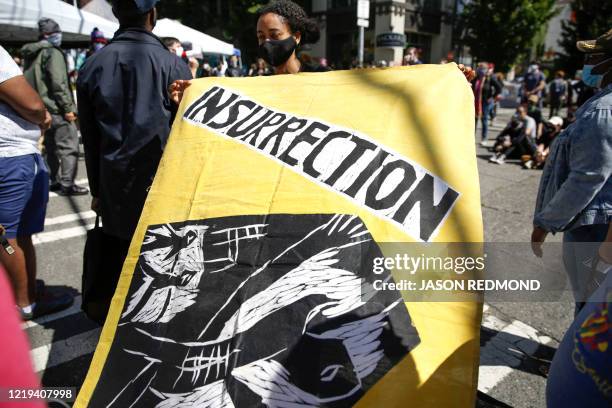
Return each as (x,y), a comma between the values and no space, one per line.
(518,134)
(570,116)
(575,194)
(46,70)
(535,112)
(551,130)
(24,188)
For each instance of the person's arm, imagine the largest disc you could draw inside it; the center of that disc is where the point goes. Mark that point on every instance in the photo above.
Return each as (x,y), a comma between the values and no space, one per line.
(193,67)
(91,140)
(539,129)
(590,163)
(497,86)
(59,88)
(19,95)
(540,86)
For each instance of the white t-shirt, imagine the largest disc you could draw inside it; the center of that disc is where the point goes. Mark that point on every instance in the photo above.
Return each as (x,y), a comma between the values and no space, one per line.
(530,127)
(18,137)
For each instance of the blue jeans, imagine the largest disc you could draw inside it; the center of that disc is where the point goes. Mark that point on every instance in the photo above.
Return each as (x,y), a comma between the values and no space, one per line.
(487,110)
(24,192)
(579,250)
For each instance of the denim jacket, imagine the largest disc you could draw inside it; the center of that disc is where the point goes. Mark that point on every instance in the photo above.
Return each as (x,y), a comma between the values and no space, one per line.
(576,187)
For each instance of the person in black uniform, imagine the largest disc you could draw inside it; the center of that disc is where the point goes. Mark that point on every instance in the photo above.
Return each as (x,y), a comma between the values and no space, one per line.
(126,115)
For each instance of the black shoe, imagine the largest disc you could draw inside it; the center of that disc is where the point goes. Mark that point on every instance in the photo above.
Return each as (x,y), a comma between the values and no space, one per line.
(49,304)
(55,187)
(73,190)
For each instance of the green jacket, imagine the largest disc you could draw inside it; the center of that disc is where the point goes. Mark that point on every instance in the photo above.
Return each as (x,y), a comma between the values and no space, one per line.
(45,69)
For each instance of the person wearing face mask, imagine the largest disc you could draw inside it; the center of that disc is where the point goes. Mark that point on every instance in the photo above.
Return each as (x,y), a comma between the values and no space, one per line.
(46,70)
(412,57)
(98,41)
(233,69)
(282,27)
(534,83)
(126,116)
(487,90)
(175,47)
(575,194)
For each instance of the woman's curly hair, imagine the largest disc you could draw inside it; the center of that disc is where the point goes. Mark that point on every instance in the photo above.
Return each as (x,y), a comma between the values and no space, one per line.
(296,17)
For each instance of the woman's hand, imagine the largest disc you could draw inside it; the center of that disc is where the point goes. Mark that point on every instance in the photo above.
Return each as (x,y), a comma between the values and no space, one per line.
(538,236)
(177,89)
(469,73)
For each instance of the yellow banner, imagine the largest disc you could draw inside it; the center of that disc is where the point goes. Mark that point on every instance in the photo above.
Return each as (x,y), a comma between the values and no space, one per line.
(248,279)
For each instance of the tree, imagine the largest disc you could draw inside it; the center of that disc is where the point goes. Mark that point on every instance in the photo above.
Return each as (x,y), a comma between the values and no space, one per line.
(503,31)
(589,19)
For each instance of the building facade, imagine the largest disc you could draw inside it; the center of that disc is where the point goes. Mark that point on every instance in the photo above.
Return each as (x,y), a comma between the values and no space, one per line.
(394,25)
(554,31)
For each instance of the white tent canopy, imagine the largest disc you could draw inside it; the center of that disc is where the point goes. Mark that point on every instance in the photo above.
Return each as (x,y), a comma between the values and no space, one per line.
(19,21)
(101,8)
(202,43)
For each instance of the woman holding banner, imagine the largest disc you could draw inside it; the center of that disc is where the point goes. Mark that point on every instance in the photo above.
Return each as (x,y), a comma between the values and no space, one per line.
(282,27)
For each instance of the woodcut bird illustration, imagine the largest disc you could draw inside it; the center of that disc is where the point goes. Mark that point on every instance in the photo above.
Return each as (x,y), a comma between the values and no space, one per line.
(273,310)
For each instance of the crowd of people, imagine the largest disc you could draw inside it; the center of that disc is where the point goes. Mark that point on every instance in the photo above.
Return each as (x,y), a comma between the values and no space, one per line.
(575,197)
(125,116)
(528,134)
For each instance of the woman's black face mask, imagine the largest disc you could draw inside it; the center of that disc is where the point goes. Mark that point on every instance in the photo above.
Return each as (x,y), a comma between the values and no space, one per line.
(277,52)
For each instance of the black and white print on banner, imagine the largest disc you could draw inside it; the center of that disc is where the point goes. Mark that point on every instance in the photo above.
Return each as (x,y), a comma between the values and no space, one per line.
(266,310)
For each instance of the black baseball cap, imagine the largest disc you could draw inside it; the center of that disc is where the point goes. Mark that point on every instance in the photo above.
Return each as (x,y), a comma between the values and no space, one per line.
(142,6)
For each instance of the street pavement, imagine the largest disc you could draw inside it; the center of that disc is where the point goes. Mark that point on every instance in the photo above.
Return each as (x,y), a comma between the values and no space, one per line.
(517,339)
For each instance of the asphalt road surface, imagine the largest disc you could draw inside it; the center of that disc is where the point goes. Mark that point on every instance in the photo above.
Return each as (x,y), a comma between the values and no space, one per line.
(517,339)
